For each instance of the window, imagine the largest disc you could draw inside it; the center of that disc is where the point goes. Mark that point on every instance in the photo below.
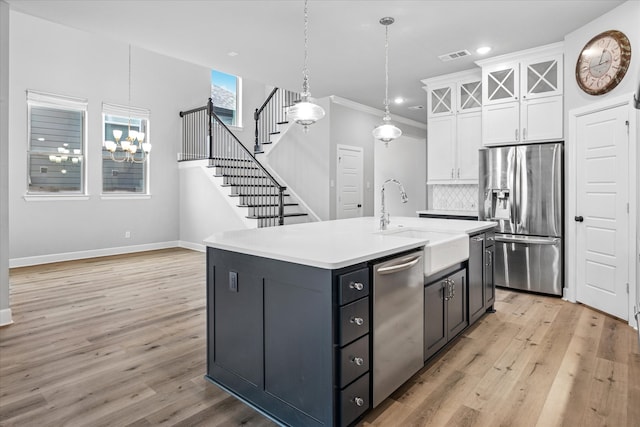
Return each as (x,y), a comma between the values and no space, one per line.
(124,172)
(57,135)
(226,95)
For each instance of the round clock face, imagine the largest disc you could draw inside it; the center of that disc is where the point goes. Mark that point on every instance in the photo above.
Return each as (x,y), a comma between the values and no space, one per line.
(603,62)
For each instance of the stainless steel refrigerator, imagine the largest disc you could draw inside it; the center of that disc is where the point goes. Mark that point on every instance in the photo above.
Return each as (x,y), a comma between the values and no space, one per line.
(520,187)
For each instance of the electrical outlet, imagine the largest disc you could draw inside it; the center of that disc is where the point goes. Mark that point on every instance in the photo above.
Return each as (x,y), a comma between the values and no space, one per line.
(127,234)
(233,281)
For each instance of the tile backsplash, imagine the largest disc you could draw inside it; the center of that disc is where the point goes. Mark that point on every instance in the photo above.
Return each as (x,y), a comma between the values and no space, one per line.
(454,197)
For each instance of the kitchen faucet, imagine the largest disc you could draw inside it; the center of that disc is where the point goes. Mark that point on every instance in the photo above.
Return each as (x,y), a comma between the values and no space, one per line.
(384,215)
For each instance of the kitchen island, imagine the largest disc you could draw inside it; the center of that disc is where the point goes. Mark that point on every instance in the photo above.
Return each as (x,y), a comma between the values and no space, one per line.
(289,313)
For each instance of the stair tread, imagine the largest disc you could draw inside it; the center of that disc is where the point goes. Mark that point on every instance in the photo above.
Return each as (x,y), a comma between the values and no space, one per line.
(276,216)
(275,133)
(234,167)
(250,185)
(257,195)
(265,205)
(282,123)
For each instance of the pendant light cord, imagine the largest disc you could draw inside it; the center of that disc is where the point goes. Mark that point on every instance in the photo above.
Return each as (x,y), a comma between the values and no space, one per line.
(386,70)
(305,70)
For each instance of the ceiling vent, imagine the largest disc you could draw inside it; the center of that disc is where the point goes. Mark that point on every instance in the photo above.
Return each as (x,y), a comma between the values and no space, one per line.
(454,55)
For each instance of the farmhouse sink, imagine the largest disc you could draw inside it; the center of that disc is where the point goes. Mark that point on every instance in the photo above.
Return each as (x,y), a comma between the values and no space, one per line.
(442,250)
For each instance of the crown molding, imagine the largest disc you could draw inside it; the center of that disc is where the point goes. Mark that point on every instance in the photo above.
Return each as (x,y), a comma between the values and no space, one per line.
(370,110)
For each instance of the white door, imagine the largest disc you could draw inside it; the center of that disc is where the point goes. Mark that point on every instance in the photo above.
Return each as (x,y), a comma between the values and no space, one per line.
(349,182)
(602,204)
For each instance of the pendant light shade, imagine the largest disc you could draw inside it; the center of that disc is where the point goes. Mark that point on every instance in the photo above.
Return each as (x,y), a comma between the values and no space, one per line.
(305,112)
(386,131)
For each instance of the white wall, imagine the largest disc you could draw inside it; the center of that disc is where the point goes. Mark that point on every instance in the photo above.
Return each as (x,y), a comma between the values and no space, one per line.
(403,160)
(203,209)
(5,311)
(302,160)
(52,58)
(625,18)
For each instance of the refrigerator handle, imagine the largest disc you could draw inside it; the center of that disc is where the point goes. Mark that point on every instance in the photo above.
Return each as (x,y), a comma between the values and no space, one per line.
(516,190)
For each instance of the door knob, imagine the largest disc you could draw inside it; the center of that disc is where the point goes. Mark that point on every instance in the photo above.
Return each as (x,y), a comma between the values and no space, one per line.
(579,219)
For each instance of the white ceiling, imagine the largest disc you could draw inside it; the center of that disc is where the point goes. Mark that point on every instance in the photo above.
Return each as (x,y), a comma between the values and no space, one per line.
(346,41)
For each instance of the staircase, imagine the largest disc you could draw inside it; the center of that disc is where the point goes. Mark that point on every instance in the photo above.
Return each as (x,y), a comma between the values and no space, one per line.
(236,171)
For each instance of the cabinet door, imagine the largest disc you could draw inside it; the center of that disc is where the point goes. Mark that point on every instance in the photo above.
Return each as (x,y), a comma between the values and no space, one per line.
(457,318)
(440,149)
(541,77)
(441,101)
(501,83)
(501,123)
(476,277)
(541,119)
(469,141)
(435,333)
(490,288)
(469,96)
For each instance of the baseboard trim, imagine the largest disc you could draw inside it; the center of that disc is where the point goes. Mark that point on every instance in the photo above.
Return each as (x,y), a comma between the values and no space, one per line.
(72,256)
(5,317)
(199,247)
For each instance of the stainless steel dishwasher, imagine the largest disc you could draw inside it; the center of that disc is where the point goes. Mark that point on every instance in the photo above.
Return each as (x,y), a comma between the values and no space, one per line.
(398,322)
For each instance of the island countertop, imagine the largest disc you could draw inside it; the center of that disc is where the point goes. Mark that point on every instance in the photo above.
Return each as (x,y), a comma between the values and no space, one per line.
(338,243)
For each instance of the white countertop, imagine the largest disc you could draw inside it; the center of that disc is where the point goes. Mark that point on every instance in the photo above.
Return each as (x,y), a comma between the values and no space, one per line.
(339,243)
(447,212)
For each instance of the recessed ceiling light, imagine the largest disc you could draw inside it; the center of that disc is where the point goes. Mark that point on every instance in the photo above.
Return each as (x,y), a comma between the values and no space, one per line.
(40,139)
(398,100)
(483,50)
(232,53)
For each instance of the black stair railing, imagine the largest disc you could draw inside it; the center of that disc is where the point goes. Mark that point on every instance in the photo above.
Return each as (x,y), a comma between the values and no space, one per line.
(272,113)
(205,136)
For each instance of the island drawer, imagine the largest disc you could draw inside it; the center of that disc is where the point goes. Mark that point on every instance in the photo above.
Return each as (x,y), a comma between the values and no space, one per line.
(354,285)
(354,320)
(354,400)
(354,360)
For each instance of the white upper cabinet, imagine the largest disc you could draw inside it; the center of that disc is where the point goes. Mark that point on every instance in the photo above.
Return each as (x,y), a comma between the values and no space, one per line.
(454,132)
(522,99)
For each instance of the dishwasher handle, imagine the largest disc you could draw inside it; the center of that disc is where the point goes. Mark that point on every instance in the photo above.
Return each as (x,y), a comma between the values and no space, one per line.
(399,267)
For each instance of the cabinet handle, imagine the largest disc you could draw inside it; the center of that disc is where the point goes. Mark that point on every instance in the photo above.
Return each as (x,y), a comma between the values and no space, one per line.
(516,134)
(458,172)
(524,134)
(445,290)
(451,172)
(357,360)
(358,401)
(489,260)
(357,320)
(356,285)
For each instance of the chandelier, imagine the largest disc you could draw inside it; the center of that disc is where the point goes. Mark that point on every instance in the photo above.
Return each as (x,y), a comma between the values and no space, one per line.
(305,112)
(132,143)
(386,131)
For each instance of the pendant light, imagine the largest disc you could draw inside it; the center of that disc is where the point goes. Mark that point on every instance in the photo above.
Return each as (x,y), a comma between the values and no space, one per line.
(386,131)
(305,112)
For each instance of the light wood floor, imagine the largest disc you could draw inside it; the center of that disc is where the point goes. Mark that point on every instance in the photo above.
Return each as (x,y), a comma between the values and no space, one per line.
(121,341)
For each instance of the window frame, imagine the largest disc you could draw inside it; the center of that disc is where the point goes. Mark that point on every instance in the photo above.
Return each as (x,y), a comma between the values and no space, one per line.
(65,103)
(109,109)
(238,111)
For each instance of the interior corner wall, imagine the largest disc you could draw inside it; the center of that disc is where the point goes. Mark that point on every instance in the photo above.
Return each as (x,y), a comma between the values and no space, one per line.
(52,58)
(5,310)
(350,126)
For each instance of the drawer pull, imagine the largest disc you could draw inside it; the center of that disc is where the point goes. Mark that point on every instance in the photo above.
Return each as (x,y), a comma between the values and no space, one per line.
(356,285)
(358,401)
(357,320)
(357,360)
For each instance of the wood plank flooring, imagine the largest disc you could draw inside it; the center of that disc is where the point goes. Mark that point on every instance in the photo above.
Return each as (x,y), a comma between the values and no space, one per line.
(120,341)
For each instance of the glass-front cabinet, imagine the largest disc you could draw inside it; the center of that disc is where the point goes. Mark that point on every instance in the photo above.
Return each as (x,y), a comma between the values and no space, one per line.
(522,100)
(454,104)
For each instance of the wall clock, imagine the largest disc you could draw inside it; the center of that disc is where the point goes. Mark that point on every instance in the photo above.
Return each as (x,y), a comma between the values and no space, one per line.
(603,62)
